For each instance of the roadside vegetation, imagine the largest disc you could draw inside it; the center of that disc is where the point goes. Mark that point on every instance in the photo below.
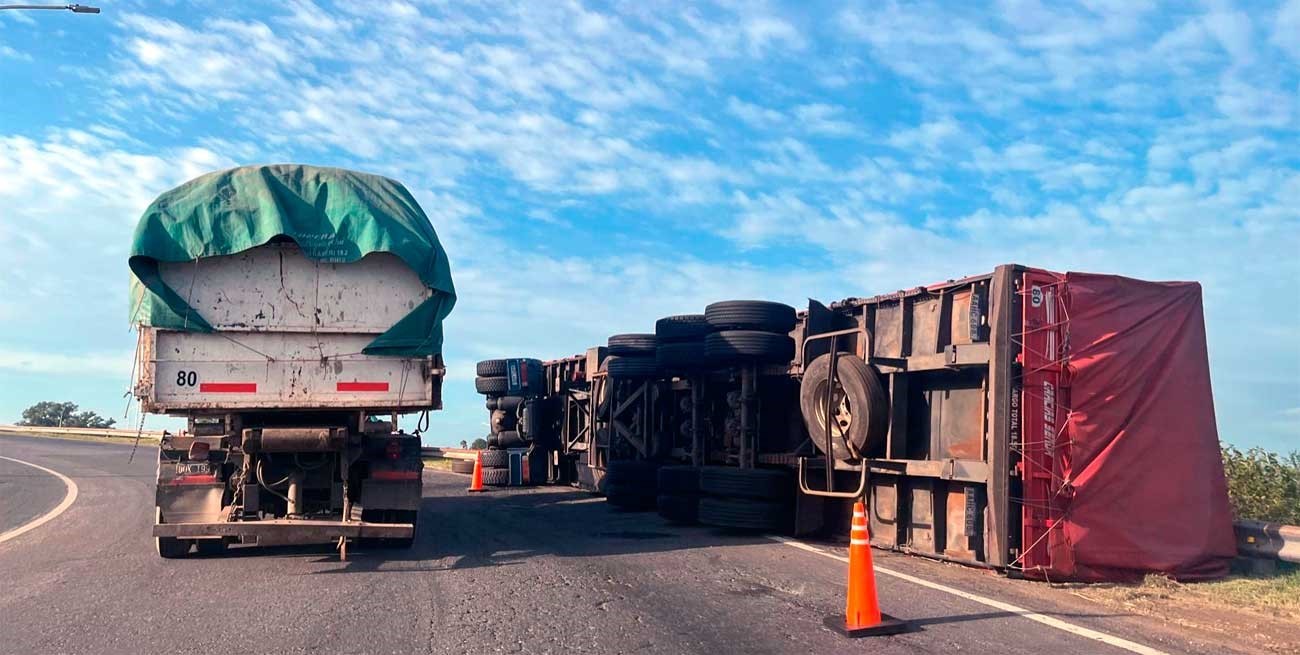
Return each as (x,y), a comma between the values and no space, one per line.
(1263,485)
(50,414)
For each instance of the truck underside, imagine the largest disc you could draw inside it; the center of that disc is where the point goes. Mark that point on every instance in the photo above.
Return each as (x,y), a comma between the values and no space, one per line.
(276,478)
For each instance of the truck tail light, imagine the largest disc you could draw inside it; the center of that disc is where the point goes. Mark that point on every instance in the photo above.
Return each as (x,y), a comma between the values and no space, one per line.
(394,449)
(198,451)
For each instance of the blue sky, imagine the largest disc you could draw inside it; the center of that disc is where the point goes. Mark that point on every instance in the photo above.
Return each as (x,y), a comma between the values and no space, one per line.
(591,167)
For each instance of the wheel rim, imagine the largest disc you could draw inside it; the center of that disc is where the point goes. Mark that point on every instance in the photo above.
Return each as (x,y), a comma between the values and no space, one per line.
(842,410)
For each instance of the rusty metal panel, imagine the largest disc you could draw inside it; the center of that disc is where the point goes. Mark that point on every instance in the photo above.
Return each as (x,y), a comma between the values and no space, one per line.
(276,288)
(920,515)
(888,341)
(960,320)
(961,423)
(884,511)
(926,313)
(964,529)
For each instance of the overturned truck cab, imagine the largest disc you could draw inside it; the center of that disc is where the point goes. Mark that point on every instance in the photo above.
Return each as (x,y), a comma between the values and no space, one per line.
(290,314)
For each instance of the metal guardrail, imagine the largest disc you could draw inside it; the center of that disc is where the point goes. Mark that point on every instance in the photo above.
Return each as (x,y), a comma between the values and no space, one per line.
(147,435)
(1268,540)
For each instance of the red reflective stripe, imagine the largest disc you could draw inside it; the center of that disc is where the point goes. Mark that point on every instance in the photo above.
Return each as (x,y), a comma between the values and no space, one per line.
(362,386)
(395,475)
(228,387)
(195,479)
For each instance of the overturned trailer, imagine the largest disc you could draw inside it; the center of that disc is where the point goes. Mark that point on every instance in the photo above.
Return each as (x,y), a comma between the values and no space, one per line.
(1055,425)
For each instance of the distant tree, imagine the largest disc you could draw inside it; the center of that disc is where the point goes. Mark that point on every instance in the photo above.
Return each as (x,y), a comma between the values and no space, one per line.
(464,444)
(51,414)
(479,444)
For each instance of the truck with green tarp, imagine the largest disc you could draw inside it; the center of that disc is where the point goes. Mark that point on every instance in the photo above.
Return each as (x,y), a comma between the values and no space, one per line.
(290,314)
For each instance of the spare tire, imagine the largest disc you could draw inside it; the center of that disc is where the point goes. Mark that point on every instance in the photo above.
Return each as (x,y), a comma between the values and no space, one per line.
(748,345)
(750,315)
(632,367)
(495,459)
(860,420)
(732,482)
(491,386)
(681,356)
(496,477)
(632,344)
(462,466)
(491,368)
(682,327)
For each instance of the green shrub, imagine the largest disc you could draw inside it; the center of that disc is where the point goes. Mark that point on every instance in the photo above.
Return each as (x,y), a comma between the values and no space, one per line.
(1263,485)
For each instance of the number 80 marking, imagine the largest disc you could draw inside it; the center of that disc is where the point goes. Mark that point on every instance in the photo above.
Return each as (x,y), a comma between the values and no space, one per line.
(187,378)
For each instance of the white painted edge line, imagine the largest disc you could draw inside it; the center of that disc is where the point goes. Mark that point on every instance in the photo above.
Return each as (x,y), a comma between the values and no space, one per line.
(1051,621)
(69,497)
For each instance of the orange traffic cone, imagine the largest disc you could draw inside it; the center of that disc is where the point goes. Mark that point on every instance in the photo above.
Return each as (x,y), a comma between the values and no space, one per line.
(862,617)
(476,484)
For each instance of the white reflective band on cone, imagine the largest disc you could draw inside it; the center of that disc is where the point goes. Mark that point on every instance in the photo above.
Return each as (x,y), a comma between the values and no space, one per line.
(859,542)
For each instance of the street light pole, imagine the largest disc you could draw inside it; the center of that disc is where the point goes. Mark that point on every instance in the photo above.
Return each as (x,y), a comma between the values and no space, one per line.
(76,9)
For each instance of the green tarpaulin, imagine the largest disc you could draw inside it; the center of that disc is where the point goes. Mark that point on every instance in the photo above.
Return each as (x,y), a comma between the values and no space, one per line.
(334,215)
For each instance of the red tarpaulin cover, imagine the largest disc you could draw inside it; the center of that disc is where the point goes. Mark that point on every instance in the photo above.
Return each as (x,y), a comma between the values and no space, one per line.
(1149,493)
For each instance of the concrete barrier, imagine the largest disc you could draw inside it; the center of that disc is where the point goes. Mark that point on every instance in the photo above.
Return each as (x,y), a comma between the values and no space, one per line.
(448,453)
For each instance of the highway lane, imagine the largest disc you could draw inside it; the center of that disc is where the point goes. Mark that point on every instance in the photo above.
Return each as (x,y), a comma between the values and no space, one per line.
(25,493)
(537,570)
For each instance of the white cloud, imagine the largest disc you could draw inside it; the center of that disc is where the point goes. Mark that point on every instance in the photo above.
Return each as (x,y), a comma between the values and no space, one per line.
(114,365)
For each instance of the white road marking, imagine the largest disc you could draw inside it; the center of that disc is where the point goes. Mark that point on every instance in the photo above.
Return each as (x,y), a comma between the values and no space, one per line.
(580,501)
(69,497)
(1054,622)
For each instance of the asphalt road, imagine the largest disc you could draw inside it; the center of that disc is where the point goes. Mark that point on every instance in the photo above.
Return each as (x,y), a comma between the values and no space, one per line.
(544,570)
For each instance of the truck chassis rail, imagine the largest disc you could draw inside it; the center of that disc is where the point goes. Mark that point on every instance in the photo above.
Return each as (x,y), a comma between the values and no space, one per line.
(286,531)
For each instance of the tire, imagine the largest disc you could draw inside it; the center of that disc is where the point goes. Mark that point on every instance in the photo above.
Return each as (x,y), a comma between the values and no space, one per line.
(745,514)
(748,345)
(168,547)
(750,315)
(682,327)
(209,547)
(465,466)
(491,386)
(683,356)
(632,344)
(496,477)
(491,440)
(495,459)
(862,415)
(633,473)
(633,367)
(510,439)
(411,516)
(760,484)
(629,497)
(491,368)
(678,509)
(683,480)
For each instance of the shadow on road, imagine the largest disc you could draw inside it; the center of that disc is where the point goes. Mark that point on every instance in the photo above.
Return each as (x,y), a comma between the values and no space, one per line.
(505,527)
